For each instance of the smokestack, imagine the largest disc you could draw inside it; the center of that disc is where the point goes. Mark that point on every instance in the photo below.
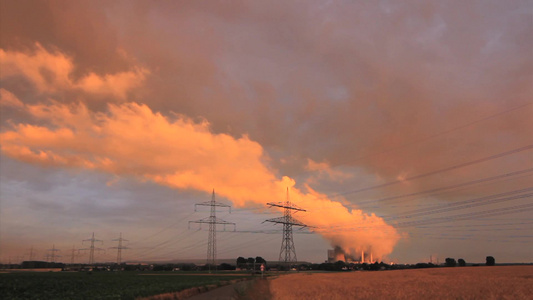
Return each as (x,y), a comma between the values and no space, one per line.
(362,256)
(371,259)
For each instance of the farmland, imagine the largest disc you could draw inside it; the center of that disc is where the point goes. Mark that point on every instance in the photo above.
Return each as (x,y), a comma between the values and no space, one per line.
(501,282)
(101,285)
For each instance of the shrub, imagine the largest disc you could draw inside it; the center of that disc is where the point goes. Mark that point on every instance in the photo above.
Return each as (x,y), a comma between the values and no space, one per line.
(490,261)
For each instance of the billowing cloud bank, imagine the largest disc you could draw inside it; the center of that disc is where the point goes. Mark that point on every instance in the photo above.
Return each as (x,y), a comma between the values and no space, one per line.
(130,139)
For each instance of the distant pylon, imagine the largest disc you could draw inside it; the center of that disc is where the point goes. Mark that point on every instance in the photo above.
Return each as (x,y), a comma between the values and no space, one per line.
(212,220)
(287,253)
(73,254)
(53,254)
(31,254)
(119,248)
(92,248)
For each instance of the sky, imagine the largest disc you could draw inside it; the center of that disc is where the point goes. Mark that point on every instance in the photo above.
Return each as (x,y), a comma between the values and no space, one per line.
(402,128)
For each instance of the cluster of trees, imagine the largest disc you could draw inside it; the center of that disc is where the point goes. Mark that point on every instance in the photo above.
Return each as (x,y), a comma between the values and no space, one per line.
(250,263)
(40,265)
(450,262)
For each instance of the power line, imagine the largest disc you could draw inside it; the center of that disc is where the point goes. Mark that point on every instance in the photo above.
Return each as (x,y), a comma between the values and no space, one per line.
(482,180)
(466,216)
(461,204)
(462,165)
(165,228)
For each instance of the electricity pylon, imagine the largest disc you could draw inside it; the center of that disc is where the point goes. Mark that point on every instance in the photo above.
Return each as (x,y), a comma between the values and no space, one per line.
(72,255)
(212,220)
(119,248)
(31,254)
(31,258)
(53,254)
(287,253)
(92,248)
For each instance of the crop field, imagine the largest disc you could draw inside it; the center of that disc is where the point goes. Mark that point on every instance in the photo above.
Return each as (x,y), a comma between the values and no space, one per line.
(101,285)
(499,282)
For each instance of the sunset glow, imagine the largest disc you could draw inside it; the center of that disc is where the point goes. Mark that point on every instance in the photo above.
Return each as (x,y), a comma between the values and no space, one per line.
(404,130)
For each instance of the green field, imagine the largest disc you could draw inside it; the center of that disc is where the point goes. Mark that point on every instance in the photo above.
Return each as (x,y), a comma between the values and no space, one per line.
(101,285)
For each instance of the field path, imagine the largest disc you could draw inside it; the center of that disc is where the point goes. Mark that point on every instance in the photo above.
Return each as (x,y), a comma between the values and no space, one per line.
(257,289)
(227,292)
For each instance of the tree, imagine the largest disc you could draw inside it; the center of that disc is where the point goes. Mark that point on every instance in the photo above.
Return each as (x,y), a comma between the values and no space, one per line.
(339,265)
(250,262)
(241,262)
(450,262)
(490,261)
(260,260)
(461,262)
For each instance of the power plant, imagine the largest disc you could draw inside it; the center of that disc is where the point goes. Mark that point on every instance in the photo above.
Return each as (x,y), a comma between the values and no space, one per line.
(338,254)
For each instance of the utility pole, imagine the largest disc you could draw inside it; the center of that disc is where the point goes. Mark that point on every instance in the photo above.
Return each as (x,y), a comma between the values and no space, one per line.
(92,248)
(119,248)
(212,220)
(287,253)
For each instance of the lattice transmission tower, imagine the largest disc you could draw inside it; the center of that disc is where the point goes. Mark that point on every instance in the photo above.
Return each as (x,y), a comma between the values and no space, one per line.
(52,254)
(212,220)
(119,248)
(92,248)
(73,254)
(287,253)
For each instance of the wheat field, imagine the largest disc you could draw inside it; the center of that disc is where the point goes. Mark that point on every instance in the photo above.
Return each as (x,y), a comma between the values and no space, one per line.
(498,282)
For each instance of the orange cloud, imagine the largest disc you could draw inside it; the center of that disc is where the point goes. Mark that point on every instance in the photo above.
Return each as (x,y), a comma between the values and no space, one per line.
(325,168)
(9,99)
(131,139)
(51,72)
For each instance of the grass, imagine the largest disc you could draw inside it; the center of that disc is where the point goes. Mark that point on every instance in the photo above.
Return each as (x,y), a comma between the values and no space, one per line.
(100,285)
(499,282)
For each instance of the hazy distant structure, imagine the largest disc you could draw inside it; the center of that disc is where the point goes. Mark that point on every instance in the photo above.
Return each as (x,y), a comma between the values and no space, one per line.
(336,254)
(52,253)
(92,248)
(72,255)
(287,253)
(212,220)
(31,254)
(119,248)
